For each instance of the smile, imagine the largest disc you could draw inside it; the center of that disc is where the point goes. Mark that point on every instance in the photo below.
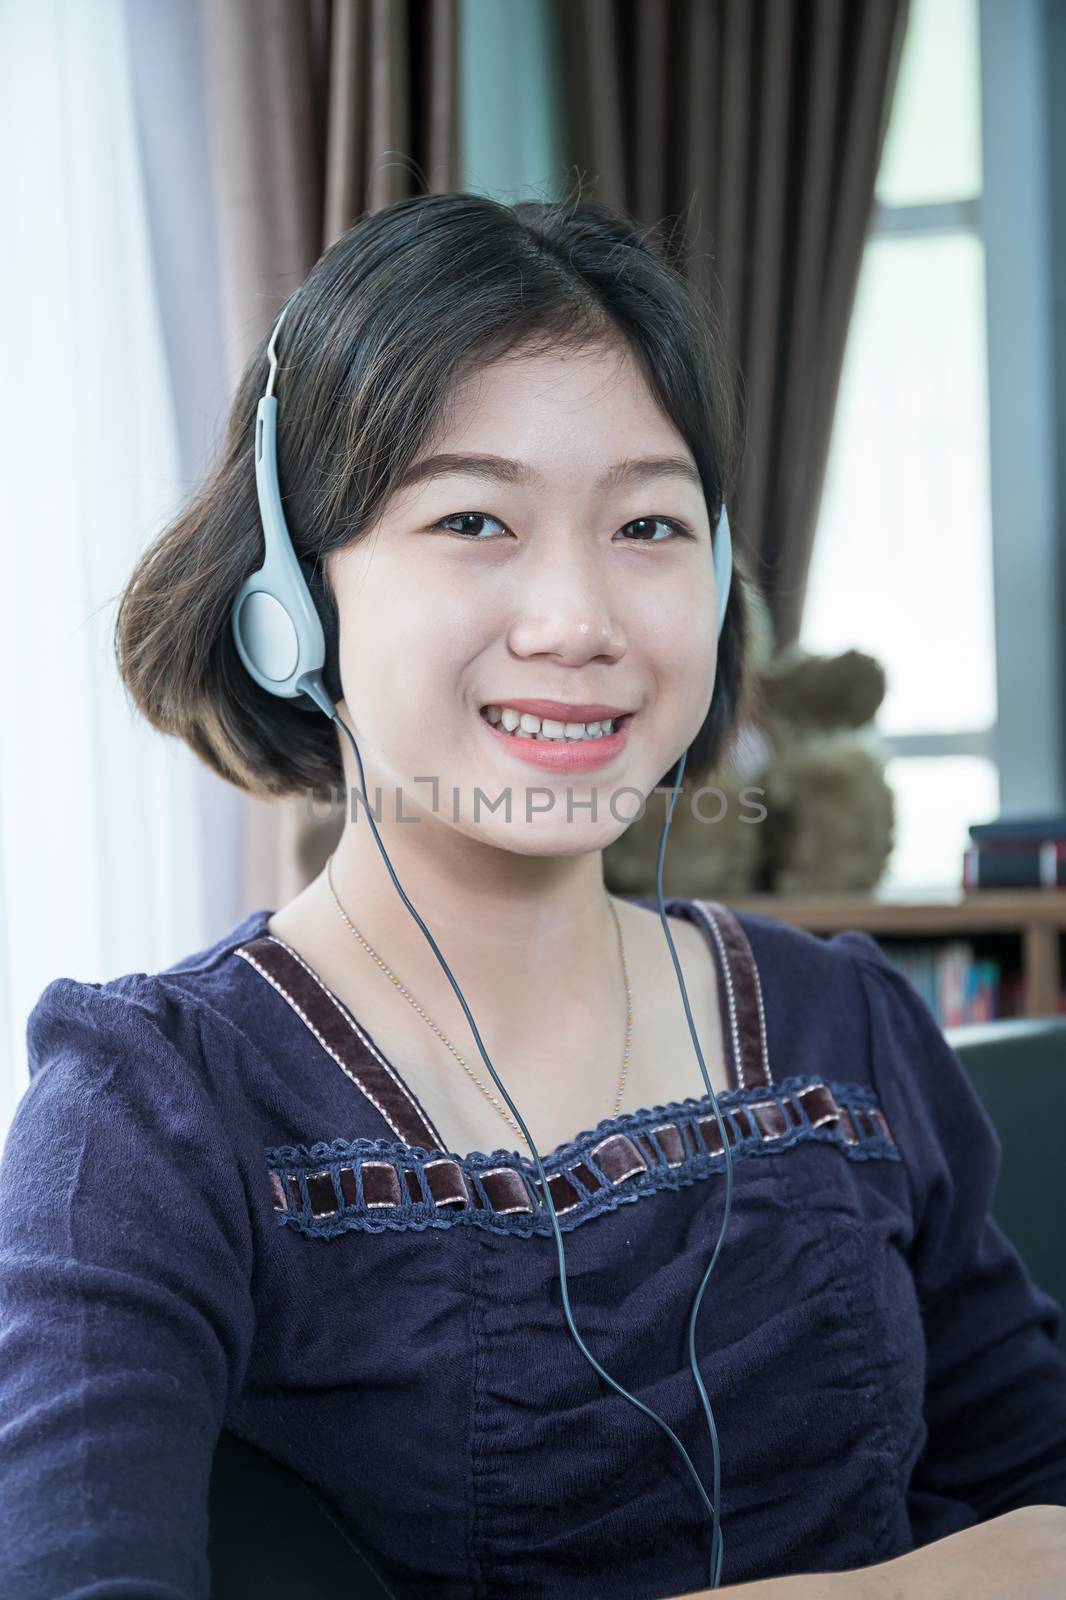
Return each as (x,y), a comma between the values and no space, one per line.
(555,745)
(524,725)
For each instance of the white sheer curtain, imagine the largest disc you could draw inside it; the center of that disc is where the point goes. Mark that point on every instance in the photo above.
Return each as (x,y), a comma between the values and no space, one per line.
(114,841)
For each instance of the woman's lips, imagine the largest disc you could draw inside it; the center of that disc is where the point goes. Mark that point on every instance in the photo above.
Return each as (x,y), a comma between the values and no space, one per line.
(564,755)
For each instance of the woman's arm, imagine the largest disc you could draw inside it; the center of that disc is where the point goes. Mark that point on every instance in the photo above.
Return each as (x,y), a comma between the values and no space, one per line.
(801,1586)
(1019,1556)
(995,1389)
(995,1380)
(126,1315)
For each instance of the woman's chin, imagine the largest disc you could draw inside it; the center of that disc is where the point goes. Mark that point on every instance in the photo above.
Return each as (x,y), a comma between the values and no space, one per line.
(550,841)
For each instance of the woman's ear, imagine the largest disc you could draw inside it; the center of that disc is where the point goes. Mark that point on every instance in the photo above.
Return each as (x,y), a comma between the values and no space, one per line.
(315,575)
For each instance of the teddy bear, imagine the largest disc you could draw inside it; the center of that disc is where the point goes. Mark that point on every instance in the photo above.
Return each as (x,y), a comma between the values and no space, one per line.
(800,803)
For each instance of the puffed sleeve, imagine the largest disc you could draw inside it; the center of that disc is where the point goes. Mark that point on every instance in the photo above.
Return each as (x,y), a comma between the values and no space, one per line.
(995,1400)
(126,1316)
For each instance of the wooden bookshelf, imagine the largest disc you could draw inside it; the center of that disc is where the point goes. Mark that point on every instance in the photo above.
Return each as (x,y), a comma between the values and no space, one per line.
(1036,917)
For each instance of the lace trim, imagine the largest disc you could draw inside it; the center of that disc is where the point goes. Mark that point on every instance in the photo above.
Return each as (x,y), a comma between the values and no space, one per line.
(376,1184)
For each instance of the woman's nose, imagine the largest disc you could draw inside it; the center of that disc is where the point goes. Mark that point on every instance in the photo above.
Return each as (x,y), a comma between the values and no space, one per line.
(566,611)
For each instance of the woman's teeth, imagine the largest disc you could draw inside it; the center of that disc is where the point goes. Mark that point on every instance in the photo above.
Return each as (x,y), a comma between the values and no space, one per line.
(523,725)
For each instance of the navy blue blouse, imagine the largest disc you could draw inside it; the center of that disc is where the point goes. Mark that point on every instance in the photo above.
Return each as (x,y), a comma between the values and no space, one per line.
(220,1206)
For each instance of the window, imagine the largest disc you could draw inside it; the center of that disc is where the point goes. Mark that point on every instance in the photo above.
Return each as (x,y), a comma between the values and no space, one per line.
(902,563)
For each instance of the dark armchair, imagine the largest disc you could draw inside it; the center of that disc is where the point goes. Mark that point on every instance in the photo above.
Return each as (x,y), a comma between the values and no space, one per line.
(272,1534)
(1018,1067)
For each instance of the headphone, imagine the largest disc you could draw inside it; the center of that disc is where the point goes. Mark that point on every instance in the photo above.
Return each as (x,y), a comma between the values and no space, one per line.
(281,638)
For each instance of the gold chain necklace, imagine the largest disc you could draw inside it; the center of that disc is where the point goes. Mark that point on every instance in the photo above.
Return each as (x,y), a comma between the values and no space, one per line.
(493,1099)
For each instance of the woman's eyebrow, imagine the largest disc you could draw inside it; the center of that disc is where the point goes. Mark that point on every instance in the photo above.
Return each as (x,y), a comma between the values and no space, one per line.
(501,469)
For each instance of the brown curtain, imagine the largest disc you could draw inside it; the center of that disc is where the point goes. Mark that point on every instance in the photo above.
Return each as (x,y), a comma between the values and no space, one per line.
(319,110)
(759,125)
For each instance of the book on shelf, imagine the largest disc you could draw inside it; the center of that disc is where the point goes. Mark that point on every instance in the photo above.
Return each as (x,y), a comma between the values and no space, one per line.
(1011,830)
(956,985)
(1010,864)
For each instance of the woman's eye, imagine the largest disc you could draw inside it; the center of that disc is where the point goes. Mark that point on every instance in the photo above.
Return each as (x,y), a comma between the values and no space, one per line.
(644,525)
(467,516)
(675,528)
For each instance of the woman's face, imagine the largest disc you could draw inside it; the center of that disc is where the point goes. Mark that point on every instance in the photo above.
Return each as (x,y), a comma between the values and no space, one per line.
(547,573)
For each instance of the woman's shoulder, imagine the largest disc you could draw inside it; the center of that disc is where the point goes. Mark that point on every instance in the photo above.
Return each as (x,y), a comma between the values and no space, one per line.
(796,951)
(781,946)
(882,1031)
(829,974)
(185,1011)
(842,988)
(812,989)
(838,1010)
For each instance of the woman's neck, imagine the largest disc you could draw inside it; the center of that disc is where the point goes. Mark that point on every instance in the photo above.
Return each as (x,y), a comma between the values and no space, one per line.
(525,936)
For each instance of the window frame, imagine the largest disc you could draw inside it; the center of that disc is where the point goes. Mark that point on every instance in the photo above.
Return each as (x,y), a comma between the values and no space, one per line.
(1010,218)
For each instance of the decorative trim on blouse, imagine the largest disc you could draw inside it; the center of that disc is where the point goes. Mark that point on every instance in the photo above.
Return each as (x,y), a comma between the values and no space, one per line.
(341,1037)
(374,1185)
(414,1182)
(749,1053)
(339,1034)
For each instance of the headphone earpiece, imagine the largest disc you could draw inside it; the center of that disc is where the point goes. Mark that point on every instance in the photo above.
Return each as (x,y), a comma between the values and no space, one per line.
(276,625)
(315,577)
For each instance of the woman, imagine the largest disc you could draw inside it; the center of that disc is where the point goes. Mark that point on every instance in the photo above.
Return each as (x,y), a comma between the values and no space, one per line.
(273,1189)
